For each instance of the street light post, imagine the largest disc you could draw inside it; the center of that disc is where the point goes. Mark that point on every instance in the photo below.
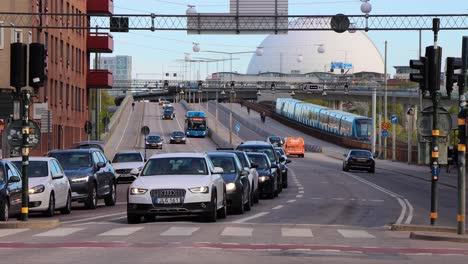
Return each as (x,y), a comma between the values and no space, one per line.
(385,102)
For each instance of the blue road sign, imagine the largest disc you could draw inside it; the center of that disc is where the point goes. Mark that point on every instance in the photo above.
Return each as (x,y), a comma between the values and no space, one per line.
(237,128)
(384,133)
(394,119)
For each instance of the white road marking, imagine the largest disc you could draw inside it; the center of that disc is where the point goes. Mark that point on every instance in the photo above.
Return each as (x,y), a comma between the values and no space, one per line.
(315,198)
(338,199)
(296,232)
(277,207)
(92,218)
(301,188)
(376,201)
(180,231)
(355,233)
(124,132)
(410,213)
(119,218)
(59,232)
(403,210)
(301,192)
(299,196)
(123,231)
(242,220)
(8,232)
(237,231)
(291,201)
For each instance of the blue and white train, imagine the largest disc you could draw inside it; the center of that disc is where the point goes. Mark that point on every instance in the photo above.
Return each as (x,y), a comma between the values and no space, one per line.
(332,121)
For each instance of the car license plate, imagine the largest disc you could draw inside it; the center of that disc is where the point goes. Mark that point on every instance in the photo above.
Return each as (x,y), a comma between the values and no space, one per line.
(171,200)
(178,140)
(154,145)
(362,160)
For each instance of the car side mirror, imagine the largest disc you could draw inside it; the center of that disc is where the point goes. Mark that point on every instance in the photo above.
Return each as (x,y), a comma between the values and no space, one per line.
(254,165)
(14,179)
(274,166)
(218,170)
(101,165)
(288,161)
(134,172)
(57,176)
(244,173)
(145,160)
(282,159)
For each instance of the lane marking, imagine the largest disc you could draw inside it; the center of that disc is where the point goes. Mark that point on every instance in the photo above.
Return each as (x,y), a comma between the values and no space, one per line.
(8,232)
(277,207)
(180,231)
(315,198)
(237,231)
(92,218)
(338,199)
(377,201)
(59,232)
(296,232)
(242,220)
(301,192)
(291,201)
(403,211)
(355,233)
(124,132)
(410,213)
(301,188)
(123,231)
(299,196)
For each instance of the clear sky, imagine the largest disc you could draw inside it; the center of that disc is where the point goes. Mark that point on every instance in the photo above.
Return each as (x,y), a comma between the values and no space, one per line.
(157,52)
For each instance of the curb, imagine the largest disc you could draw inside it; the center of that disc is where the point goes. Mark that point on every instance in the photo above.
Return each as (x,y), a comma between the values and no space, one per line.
(438,237)
(429,228)
(34,224)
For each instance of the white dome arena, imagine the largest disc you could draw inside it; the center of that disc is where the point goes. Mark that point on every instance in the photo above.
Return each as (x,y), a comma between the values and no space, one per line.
(281,53)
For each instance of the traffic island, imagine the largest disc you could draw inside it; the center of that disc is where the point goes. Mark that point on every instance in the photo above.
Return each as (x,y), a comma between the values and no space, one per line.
(32,224)
(437,236)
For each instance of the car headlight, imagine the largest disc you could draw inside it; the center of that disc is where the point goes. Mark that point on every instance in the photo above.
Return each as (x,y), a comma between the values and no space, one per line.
(80,179)
(204,189)
(263,178)
(137,191)
(230,187)
(37,189)
(172,138)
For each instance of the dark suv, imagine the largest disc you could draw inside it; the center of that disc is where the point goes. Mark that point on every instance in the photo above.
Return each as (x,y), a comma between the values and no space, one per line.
(91,175)
(269,150)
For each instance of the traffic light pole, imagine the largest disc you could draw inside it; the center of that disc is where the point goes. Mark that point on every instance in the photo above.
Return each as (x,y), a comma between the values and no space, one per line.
(25,157)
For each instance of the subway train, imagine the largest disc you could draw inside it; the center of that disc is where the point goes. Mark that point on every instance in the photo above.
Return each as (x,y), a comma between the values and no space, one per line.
(332,121)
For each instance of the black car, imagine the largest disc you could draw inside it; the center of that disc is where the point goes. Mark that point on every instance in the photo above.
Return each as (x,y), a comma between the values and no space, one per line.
(236,180)
(178,137)
(359,159)
(10,190)
(168,113)
(154,141)
(98,144)
(91,175)
(275,141)
(282,165)
(267,176)
(269,150)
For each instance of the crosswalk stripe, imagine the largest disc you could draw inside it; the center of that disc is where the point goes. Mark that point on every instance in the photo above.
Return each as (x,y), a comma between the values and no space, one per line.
(180,231)
(296,232)
(237,231)
(59,232)
(124,231)
(355,233)
(8,232)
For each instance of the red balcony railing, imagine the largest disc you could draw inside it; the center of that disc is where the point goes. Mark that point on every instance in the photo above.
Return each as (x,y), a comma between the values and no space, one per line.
(100,7)
(100,79)
(100,43)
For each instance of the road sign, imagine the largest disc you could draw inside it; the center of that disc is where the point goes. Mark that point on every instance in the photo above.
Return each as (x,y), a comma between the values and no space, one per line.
(384,133)
(145,130)
(237,128)
(385,126)
(394,119)
(14,134)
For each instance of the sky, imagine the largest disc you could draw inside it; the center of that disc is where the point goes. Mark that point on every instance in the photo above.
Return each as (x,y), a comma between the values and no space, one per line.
(157,52)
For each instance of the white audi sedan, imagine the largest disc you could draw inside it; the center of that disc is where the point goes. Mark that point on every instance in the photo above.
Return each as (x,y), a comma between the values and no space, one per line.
(49,188)
(177,184)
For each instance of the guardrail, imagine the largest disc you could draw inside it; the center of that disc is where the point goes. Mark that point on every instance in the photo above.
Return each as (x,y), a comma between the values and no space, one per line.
(115,119)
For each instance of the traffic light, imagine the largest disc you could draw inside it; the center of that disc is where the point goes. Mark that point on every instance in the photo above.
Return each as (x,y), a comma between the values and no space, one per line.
(451,77)
(434,57)
(18,60)
(37,60)
(422,76)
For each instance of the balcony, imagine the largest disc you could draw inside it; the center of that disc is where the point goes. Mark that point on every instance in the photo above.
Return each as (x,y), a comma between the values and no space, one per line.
(100,79)
(100,7)
(100,43)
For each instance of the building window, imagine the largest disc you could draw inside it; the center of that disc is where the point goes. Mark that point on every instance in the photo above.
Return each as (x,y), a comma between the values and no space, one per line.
(16,35)
(51,50)
(61,94)
(61,50)
(2,35)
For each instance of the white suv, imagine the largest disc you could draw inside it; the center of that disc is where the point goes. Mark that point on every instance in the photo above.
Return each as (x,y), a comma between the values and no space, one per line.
(177,184)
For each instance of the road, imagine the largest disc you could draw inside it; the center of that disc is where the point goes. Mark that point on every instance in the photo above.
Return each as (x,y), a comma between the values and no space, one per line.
(325,215)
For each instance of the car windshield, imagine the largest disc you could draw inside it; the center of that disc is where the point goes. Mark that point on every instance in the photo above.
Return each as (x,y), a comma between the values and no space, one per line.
(175,166)
(267,150)
(36,169)
(154,138)
(243,159)
(260,160)
(227,163)
(360,154)
(73,160)
(178,134)
(280,151)
(127,157)
(91,145)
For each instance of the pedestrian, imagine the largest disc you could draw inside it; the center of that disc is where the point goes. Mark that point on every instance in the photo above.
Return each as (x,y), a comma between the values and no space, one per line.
(133,106)
(248,110)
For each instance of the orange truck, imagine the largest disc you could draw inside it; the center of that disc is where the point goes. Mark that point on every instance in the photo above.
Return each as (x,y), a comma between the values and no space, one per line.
(294,146)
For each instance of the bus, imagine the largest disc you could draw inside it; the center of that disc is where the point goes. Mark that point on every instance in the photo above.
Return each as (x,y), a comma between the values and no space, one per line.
(195,124)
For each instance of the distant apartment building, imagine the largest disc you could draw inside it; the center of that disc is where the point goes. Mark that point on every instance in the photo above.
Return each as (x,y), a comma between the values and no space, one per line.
(121,67)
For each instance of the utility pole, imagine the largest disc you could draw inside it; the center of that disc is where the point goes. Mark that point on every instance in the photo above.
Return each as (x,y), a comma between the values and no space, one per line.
(25,156)
(385,103)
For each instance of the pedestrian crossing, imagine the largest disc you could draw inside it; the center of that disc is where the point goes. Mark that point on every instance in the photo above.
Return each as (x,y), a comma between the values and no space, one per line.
(192,231)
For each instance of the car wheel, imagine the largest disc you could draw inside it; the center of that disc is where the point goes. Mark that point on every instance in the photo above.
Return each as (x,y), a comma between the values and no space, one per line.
(67,209)
(346,168)
(92,200)
(51,209)
(133,219)
(372,170)
(150,218)
(213,215)
(4,211)
(285,182)
(240,207)
(111,199)
(222,213)
(256,196)
(248,205)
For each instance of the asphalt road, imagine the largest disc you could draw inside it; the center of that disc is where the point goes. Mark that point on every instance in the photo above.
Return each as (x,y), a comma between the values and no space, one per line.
(325,215)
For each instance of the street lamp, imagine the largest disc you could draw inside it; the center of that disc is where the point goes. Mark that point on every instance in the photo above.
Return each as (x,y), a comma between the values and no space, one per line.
(366,8)
(191,10)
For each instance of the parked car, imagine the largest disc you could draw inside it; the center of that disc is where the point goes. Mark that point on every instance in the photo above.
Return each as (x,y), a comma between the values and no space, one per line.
(91,175)
(124,162)
(267,176)
(177,184)
(269,150)
(276,141)
(238,187)
(359,159)
(247,165)
(49,189)
(98,144)
(178,137)
(283,165)
(10,190)
(154,141)
(168,113)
